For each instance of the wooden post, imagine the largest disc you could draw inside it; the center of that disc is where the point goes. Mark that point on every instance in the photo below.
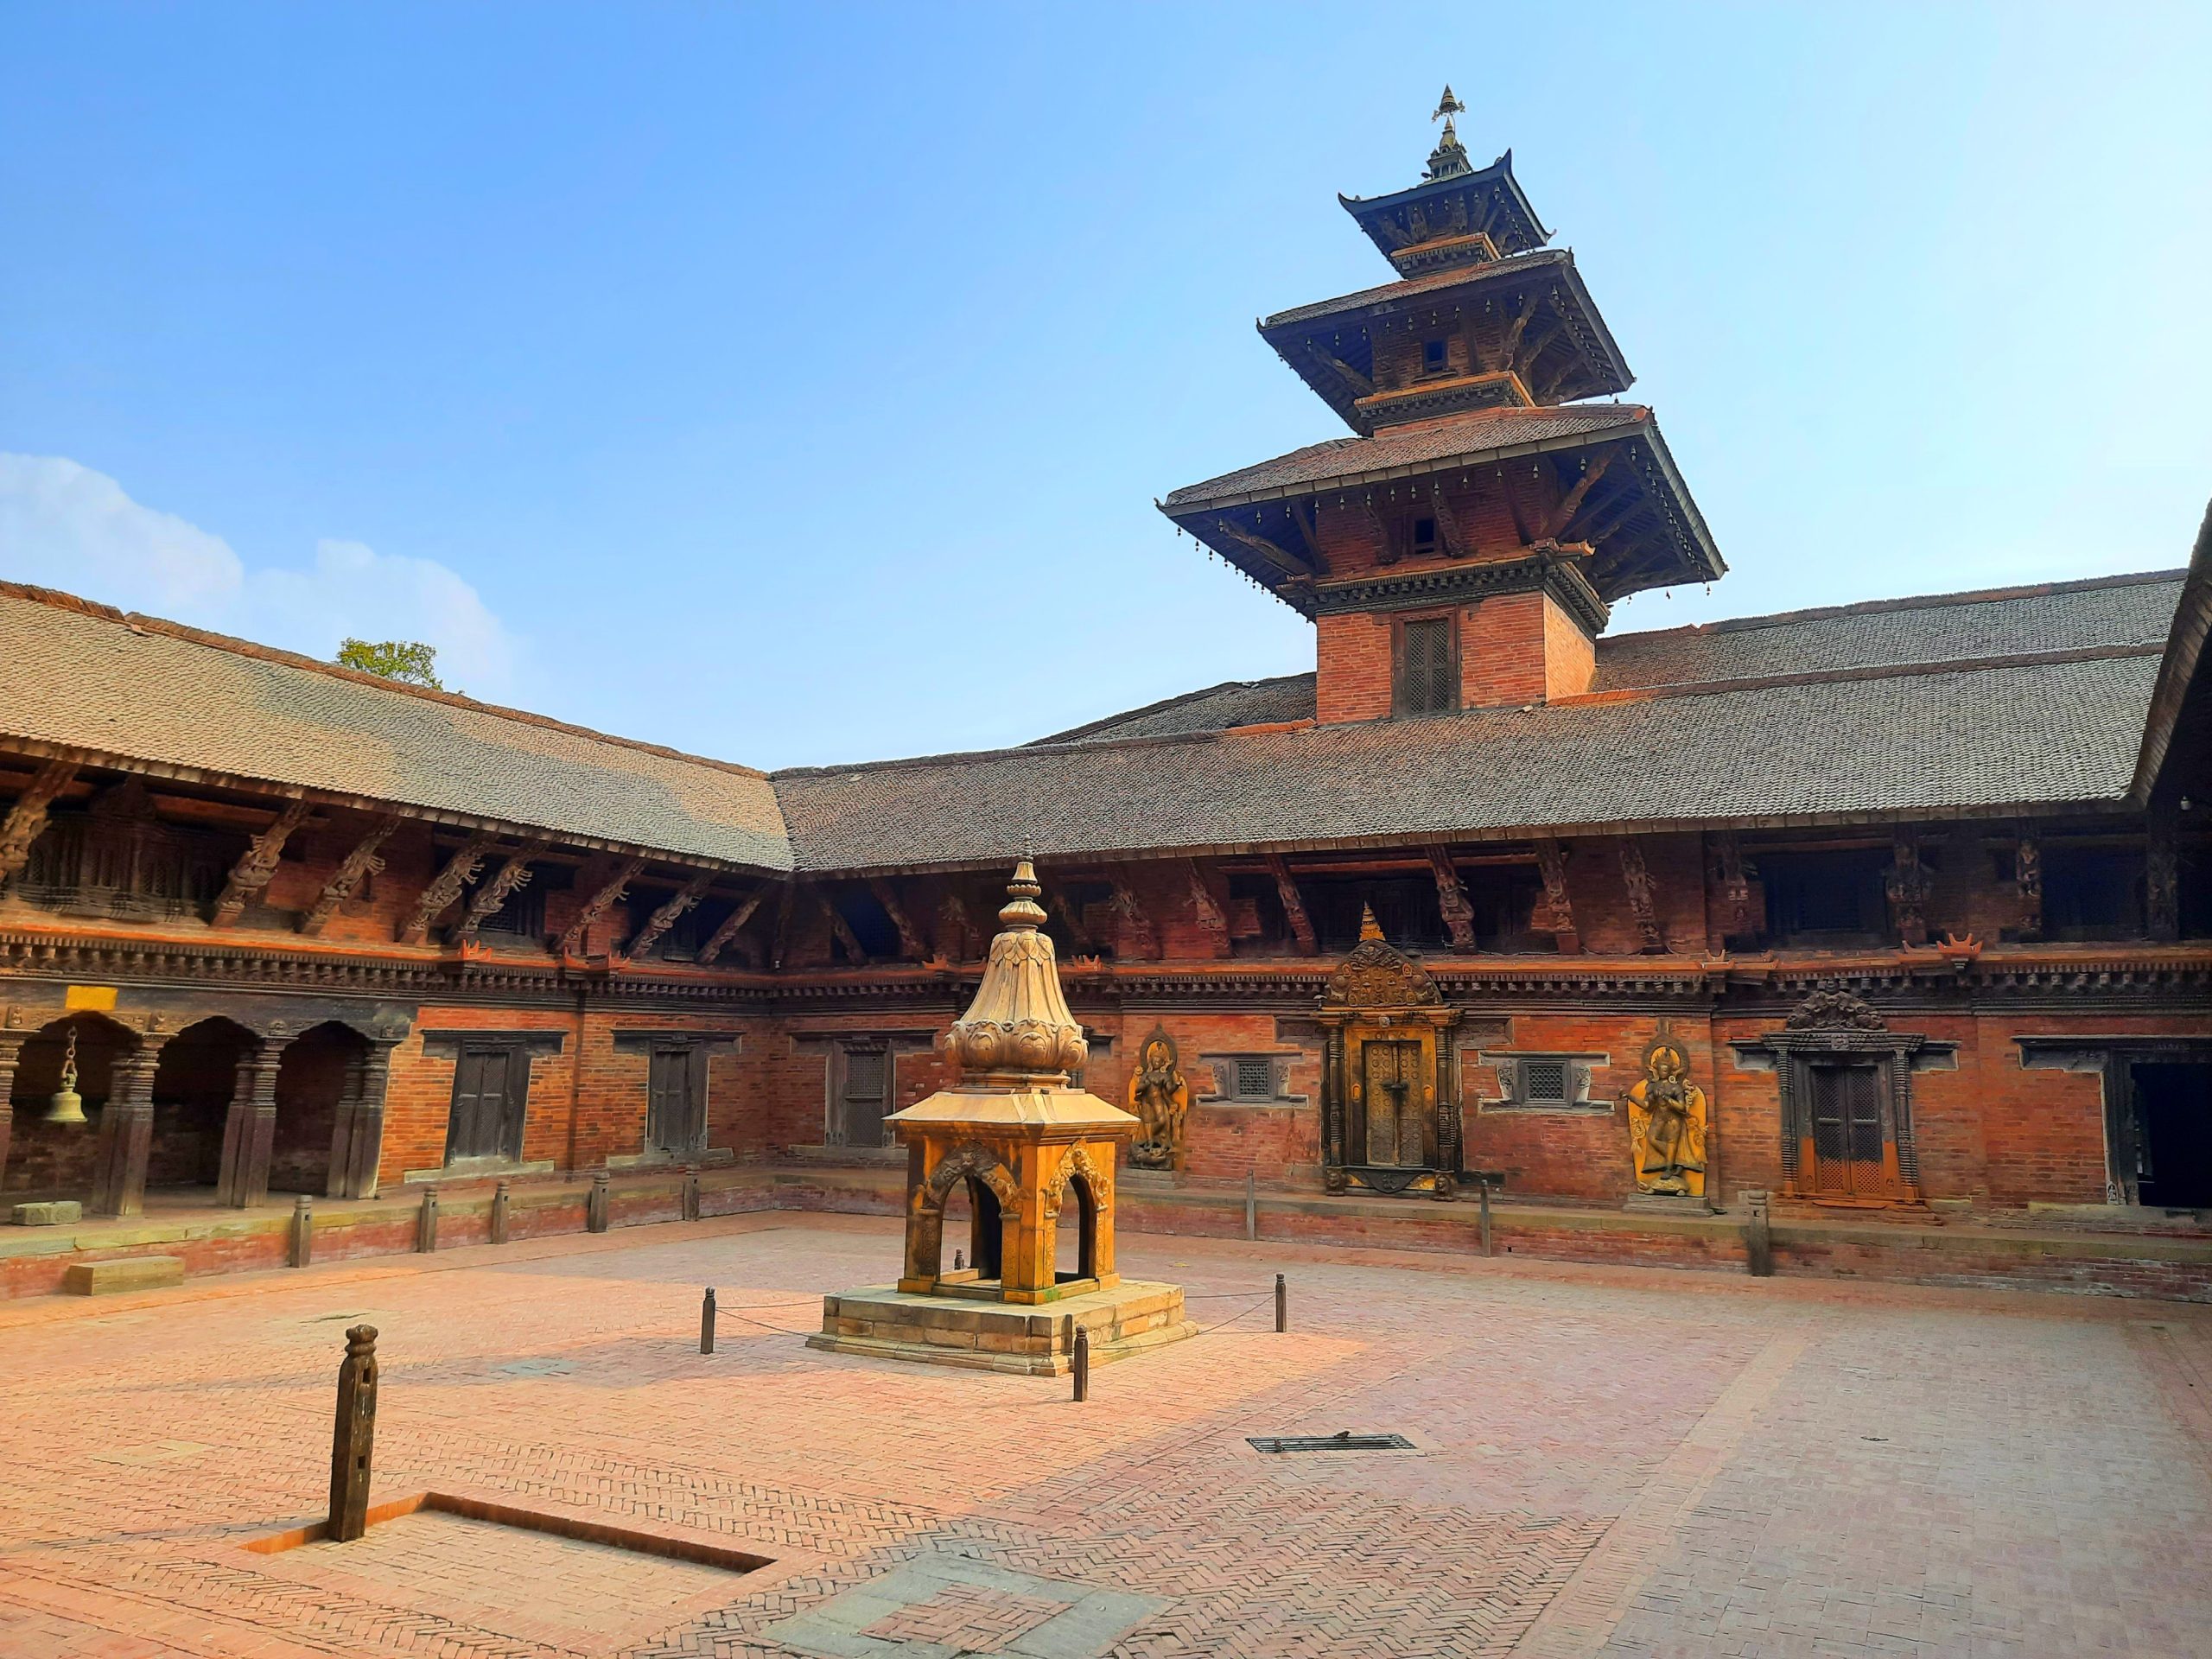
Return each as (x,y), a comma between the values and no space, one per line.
(1081,1366)
(1484,1187)
(595,1204)
(707,1322)
(691,1192)
(126,1132)
(303,1231)
(354,1439)
(426,1224)
(11,1051)
(1282,1305)
(499,1213)
(1759,1237)
(1251,1205)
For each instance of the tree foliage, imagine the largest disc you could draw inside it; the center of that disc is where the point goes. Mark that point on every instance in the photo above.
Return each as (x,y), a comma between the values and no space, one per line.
(406,660)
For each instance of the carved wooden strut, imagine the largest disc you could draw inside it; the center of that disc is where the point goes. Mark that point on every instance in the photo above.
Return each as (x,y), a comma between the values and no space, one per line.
(718,941)
(445,889)
(1452,898)
(1551,864)
(572,941)
(27,817)
(669,914)
(1636,876)
(359,864)
(506,881)
(257,865)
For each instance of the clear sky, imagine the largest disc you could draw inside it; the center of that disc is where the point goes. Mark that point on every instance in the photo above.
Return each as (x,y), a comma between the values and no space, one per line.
(792,384)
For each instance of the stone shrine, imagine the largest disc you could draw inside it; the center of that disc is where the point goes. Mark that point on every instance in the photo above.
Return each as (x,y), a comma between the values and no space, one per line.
(1022,1143)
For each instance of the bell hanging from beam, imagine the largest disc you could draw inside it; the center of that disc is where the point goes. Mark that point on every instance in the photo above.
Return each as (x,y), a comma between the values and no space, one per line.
(67,1106)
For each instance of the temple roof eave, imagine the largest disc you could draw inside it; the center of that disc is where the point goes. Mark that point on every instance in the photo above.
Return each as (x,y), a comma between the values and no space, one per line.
(1042,1107)
(1366,209)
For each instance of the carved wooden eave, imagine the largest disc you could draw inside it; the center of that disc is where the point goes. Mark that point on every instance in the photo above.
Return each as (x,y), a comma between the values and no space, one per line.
(679,905)
(587,916)
(364,861)
(732,925)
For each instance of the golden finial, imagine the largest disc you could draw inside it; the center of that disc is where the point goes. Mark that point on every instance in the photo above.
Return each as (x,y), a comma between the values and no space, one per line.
(1022,909)
(1449,159)
(1369,928)
(1448,105)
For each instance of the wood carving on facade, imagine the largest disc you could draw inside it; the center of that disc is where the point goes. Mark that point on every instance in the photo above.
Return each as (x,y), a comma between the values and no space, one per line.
(1551,865)
(840,929)
(512,876)
(1636,878)
(1667,1123)
(1293,906)
(678,905)
(912,945)
(358,866)
(445,889)
(27,817)
(1452,899)
(718,941)
(587,917)
(1135,936)
(1205,904)
(257,865)
(2161,878)
(1733,885)
(1159,1098)
(2027,883)
(1907,886)
(956,935)
(1390,1121)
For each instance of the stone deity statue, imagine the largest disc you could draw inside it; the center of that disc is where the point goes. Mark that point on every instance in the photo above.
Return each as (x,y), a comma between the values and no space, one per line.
(1161,1099)
(1666,1125)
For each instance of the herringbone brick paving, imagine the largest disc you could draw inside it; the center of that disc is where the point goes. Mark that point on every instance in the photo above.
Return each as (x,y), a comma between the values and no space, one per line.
(1626,1462)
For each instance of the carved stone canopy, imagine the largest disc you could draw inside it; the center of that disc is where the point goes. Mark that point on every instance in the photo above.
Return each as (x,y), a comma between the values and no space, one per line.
(1374,974)
(1834,1010)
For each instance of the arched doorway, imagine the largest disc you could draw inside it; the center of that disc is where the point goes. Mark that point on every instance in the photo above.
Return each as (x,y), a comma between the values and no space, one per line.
(322,1071)
(197,1078)
(1075,1233)
(62,1160)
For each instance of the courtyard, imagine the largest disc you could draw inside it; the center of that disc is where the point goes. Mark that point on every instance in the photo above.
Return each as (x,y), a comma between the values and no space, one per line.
(1602,1461)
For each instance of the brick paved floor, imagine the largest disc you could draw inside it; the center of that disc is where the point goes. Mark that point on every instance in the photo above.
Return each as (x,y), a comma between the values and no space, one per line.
(1605,1461)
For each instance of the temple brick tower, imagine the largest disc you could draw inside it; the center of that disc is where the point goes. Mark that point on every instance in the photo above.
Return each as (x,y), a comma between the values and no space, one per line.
(1033,1154)
(1464,549)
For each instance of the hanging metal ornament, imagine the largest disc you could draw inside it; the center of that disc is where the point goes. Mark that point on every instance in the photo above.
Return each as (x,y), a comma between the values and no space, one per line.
(67,1106)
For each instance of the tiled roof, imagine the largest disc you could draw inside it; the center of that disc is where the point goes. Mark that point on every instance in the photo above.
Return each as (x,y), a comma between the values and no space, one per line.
(1989,738)
(1427,282)
(2134,610)
(1475,432)
(87,677)
(1233,702)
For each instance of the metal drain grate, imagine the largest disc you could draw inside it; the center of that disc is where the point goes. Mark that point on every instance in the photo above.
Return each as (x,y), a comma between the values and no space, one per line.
(1343,1440)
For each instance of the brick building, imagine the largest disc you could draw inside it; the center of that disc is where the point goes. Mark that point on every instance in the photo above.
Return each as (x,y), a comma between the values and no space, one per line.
(1903,905)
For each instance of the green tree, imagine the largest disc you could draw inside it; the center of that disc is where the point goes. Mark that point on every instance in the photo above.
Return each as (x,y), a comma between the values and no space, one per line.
(407,660)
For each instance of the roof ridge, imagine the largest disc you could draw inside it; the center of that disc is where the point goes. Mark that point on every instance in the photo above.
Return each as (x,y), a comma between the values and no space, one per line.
(1075,733)
(1878,607)
(54,599)
(1862,671)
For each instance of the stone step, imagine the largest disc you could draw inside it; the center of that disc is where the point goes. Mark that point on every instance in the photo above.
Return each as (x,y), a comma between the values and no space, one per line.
(58,1212)
(126,1273)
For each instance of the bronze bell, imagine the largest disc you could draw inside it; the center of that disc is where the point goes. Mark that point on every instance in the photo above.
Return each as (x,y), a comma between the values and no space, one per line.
(67,1106)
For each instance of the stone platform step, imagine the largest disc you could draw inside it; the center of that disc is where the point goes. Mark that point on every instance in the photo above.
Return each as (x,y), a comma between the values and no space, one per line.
(883,1322)
(124,1274)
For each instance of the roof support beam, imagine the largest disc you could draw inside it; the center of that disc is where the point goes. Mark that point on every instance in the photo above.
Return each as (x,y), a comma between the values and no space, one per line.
(1293,905)
(840,929)
(1135,936)
(358,864)
(2027,880)
(1452,898)
(910,945)
(718,941)
(1551,864)
(668,915)
(257,865)
(1510,341)
(1285,562)
(1571,503)
(1207,905)
(444,891)
(1056,900)
(1636,879)
(27,817)
(780,944)
(1360,383)
(573,941)
(1735,886)
(956,932)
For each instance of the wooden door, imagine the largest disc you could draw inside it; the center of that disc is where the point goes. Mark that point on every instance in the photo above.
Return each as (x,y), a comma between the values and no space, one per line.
(865,1096)
(1851,1150)
(488,1093)
(1391,1092)
(676,1100)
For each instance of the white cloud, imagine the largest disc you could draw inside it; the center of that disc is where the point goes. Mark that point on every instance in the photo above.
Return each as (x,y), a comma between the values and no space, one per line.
(64,525)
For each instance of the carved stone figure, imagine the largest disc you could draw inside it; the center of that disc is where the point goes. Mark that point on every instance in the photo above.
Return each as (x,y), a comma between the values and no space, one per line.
(1161,1100)
(1666,1124)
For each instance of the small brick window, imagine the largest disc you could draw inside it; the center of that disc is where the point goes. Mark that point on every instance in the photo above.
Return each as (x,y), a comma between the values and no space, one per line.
(1428,668)
(1435,357)
(1422,541)
(1544,1082)
(1255,1079)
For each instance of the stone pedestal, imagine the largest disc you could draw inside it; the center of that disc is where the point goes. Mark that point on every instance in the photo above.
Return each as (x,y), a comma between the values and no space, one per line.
(949,1329)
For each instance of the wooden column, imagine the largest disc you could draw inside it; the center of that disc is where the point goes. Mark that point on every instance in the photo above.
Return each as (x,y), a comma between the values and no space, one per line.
(357,1143)
(126,1132)
(11,1049)
(249,1131)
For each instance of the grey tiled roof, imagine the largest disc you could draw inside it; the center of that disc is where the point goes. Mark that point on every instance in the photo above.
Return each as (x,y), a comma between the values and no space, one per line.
(1234,702)
(1472,432)
(1950,628)
(1428,282)
(153,691)
(1985,737)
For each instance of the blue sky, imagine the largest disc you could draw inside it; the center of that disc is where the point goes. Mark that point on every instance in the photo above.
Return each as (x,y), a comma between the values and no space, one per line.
(792,385)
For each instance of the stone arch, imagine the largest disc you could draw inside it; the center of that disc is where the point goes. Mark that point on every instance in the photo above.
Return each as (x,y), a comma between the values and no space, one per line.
(320,1072)
(200,1073)
(1079,1162)
(963,1163)
(993,1192)
(58,1160)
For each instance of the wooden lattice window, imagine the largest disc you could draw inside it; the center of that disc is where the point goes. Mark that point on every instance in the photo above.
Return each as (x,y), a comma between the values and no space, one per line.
(864,1097)
(1427,667)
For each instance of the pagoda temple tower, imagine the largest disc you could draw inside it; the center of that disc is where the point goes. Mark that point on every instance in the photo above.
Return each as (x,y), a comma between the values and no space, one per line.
(1464,549)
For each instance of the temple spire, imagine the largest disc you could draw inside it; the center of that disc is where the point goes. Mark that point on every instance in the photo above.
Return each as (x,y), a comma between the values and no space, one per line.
(1449,159)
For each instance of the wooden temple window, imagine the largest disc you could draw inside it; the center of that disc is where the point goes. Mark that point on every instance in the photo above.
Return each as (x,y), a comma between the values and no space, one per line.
(1435,356)
(1426,680)
(1421,538)
(120,861)
(2092,893)
(1248,1079)
(1828,897)
(1406,908)
(1544,1082)
(863,1096)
